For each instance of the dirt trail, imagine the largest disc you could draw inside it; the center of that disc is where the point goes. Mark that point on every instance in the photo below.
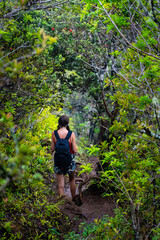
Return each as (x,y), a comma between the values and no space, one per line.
(94,205)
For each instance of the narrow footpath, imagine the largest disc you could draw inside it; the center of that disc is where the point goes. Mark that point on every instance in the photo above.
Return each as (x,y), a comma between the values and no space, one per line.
(93,204)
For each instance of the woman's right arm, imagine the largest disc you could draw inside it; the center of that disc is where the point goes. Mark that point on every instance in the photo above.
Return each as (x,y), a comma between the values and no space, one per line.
(74,146)
(52,143)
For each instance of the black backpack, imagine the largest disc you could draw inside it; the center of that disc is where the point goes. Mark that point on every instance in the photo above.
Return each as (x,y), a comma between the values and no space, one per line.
(62,156)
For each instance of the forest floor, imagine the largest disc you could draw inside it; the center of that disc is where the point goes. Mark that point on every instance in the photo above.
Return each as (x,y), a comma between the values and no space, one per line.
(93,205)
(27,217)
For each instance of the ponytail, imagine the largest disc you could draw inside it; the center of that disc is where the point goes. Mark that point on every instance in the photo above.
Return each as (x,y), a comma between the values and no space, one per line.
(67,127)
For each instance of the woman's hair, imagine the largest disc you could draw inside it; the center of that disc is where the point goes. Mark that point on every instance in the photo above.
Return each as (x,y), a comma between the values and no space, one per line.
(63,121)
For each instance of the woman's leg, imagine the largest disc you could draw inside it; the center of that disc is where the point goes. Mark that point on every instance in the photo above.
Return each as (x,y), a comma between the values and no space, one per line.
(60,181)
(72,184)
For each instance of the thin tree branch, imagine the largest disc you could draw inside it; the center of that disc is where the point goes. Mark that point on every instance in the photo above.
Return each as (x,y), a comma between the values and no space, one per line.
(153,12)
(125,39)
(150,133)
(21,10)
(20,58)
(23,46)
(103,98)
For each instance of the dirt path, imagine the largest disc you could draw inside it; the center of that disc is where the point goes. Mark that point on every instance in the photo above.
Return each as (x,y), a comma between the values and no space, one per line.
(94,205)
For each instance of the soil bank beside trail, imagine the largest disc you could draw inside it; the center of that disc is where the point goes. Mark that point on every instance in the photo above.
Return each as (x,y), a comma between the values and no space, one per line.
(94,205)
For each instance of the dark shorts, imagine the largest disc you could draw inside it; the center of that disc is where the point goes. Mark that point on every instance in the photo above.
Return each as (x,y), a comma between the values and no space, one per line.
(72,168)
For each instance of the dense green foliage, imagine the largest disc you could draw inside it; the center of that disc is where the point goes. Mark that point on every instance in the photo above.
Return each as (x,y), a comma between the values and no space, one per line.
(99,62)
(26,170)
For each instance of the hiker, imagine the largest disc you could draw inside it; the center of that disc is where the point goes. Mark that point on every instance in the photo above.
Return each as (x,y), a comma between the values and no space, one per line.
(64,145)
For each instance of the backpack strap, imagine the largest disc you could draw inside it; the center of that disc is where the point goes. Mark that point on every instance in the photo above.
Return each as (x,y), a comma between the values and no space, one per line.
(56,135)
(68,135)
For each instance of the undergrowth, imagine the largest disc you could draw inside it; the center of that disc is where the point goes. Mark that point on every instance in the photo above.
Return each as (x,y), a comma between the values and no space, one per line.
(29,207)
(105,228)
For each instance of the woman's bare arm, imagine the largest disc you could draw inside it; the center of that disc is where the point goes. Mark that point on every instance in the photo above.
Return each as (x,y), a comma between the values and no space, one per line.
(74,146)
(52,144)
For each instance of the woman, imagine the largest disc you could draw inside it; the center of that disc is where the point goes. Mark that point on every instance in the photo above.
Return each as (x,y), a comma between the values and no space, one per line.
(62,131)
